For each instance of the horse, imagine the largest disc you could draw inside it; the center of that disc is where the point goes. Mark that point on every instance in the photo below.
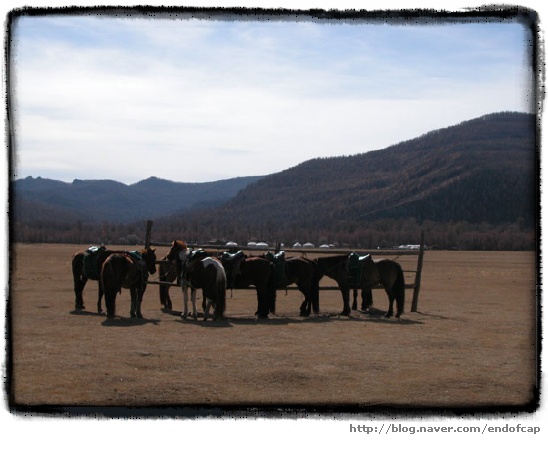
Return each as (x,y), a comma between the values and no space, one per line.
(362,273)
(207,276)
(86,265)
(389,274)
(127,270)
(243,271)
(295,270)
(335,267)
(206,273)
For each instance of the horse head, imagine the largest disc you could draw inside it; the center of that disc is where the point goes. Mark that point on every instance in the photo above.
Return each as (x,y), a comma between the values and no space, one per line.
(149,256)
(178,251)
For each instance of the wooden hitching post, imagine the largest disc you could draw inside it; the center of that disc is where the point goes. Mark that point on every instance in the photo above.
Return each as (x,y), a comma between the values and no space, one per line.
(418,276)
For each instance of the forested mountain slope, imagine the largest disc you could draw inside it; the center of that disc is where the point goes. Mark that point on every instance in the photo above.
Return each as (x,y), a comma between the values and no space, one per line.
(480,171)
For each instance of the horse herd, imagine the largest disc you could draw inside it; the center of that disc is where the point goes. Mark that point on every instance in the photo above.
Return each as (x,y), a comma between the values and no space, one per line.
(214,273)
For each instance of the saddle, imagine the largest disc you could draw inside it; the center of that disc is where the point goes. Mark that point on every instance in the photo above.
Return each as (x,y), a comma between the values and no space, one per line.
(355,268)
(278,261)
(138,258)
(232,264)
(229,257)
(197,254)
(90,267)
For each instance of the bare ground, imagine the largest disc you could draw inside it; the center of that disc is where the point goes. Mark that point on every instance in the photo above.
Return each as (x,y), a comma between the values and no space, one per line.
(471,344)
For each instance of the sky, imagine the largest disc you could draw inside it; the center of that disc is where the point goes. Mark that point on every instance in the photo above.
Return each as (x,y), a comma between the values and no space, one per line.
(194,100)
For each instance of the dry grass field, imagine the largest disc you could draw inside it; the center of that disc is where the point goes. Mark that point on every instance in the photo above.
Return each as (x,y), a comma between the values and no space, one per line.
(471,344)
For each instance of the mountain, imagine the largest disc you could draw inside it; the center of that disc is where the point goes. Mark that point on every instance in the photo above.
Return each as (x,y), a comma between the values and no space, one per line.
(481,171)
(107,200)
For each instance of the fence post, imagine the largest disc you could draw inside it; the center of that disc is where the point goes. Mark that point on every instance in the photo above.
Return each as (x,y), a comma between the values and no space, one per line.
(149,231)
(418,276)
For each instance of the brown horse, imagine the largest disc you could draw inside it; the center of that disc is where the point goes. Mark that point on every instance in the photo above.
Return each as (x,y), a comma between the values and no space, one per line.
(389,274)
(86,265)
(295,270)
(335,267)
(243,271)
(127,270)
(362,273)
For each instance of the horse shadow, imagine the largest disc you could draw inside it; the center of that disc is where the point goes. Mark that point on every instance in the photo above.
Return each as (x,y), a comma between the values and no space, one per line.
(223,323)
(276,320)
(377,316)
(83,312)
(127,322)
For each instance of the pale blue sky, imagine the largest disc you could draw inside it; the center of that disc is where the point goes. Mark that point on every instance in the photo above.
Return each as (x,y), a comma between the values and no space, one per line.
(201,100)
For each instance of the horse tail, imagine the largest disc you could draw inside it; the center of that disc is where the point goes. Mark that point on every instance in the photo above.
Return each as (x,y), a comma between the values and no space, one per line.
(109,287)
(399,289)
(111,280)
(271,288)
(315,289)
(220,288)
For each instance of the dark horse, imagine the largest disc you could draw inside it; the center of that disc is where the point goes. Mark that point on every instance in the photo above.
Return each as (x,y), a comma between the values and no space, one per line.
(295,270)
(389,274)
(364,274)
(335,267)
(127,270)
(243,271)
(200,270)
(86,265)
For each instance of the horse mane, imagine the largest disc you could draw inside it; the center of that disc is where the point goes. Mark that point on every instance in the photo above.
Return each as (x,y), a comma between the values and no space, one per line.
(179,243)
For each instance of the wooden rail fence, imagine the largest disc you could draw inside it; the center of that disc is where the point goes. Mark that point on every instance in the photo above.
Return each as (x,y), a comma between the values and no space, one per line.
(414,285)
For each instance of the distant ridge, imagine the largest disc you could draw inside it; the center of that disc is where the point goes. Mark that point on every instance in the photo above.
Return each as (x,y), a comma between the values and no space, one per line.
(107,200)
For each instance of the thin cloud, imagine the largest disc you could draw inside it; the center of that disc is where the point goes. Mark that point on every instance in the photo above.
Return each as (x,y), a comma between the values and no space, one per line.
(131,98)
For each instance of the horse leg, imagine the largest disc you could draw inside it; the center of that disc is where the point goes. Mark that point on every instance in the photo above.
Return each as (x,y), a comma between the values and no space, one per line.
(355,302)
(79,283)
(206,305)
(390,304)
(133,307)
(139,301)
(110,302)
(169,304)
(99,297)
(305,308)
(346,300)
(367,299)
(262,302)
(184,288)
(193,300)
